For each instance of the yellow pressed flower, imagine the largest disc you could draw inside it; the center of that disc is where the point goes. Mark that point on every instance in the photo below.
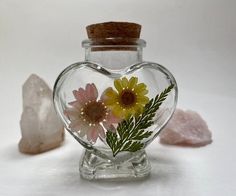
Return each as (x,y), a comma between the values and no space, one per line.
(128,98)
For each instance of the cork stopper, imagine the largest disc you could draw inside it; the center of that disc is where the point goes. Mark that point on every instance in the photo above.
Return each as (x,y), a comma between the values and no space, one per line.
(114,29)
(114,34)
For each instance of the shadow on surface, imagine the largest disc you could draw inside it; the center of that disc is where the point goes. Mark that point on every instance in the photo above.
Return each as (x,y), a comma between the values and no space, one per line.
(11,152)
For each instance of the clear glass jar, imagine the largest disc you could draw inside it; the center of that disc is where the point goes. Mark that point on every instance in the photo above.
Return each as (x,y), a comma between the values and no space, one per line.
(115,104)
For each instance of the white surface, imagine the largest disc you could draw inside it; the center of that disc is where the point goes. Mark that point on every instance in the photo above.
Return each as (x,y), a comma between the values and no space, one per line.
(194,39)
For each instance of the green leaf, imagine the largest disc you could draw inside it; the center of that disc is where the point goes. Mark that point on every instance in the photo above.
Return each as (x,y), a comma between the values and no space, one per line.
(131,132)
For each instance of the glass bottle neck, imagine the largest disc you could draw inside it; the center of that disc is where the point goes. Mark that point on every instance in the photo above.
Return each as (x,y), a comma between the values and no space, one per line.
(114,59)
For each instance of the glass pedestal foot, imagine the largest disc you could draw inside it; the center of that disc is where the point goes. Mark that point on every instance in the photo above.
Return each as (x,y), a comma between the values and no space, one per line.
(94,166)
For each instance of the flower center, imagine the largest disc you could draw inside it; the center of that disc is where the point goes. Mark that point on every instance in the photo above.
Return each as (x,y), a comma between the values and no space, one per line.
(94,112)
(127,98)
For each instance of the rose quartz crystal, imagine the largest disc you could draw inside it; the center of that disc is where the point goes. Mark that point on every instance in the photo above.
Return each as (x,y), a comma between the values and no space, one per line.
(40,127)
(186,128)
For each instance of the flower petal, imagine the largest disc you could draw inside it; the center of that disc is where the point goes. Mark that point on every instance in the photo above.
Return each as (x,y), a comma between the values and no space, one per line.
(124,82)
(138,109)
(129,112)
(140,88)
(110,93)
(143,92)
(89,134)
(100,131)
(112,119)
(132,82)
(76,105)
(84,129)
(71,113)
(118,111)
(92,134)
(107,125)
(75,94)
(91,92)
(109,96)
(104,96)
(118,85)
(95,91)
(142,99)
(79,126)
(75,123)
(81,96)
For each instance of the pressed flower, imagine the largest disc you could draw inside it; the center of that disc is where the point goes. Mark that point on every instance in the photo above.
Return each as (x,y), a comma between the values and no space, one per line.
(128,98)
(88,115)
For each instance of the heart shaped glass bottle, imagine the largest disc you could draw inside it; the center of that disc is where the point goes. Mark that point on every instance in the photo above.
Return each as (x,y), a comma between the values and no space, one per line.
(114,103)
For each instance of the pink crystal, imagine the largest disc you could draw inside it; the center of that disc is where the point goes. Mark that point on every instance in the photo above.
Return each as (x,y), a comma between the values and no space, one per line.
(186,128)
(41,129)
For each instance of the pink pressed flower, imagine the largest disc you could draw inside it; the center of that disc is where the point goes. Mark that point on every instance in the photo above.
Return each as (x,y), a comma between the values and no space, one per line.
(88,116)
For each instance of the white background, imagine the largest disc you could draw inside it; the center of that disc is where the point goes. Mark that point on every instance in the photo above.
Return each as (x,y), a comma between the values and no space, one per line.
(194,39)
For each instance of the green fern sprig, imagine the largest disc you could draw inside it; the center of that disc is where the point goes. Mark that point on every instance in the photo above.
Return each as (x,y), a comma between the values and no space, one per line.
(131,132)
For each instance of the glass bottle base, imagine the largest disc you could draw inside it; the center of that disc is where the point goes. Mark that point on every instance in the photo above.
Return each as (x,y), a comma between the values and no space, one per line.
(93,166)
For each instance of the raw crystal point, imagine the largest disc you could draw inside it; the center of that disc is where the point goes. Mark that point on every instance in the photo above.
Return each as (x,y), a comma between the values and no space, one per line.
(40,127)
(186,128)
